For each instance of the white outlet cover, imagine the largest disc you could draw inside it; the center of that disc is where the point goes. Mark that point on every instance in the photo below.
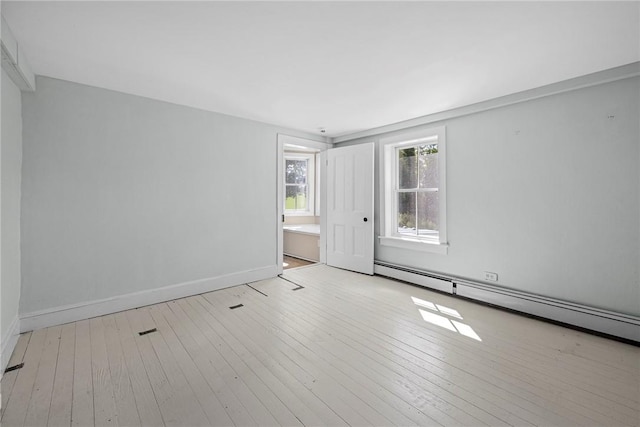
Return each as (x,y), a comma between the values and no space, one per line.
(493,277)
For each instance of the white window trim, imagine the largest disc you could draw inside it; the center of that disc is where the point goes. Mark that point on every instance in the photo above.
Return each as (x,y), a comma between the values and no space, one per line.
(388,171)
(311,172)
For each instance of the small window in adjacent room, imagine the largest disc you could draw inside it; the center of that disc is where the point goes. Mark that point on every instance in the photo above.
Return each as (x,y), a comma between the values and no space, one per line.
(299,184)
(414,203)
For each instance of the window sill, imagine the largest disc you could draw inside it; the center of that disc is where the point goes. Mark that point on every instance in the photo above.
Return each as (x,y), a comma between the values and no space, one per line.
(298,213)
(415,245)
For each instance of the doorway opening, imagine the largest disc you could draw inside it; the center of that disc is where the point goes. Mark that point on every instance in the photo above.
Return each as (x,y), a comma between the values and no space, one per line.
(300,193)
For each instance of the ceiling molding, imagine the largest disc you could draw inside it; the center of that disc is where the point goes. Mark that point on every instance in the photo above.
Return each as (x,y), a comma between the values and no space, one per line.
(593,79)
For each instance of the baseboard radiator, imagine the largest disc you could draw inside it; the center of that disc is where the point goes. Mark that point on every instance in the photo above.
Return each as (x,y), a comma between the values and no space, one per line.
(623,326)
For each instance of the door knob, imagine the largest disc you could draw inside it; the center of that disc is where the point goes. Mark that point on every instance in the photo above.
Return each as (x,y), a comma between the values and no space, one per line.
(365,220)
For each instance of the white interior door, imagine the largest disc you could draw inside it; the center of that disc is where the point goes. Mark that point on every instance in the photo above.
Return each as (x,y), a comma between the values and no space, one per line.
(350,208)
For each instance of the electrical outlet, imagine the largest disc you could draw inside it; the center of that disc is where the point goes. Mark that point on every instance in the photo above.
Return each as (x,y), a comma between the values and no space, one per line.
(491,277)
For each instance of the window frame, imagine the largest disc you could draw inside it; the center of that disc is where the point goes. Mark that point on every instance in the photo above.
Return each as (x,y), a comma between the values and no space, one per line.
(310,183)
(389,235)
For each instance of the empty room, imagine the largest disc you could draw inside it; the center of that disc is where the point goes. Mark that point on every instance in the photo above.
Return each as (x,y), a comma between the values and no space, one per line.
(320,213)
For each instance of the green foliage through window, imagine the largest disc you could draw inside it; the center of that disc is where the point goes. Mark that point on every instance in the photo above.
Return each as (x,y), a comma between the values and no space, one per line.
(296,188)
(417,189)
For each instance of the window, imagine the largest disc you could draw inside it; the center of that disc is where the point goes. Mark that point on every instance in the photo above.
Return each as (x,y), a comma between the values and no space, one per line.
(414,191)
(299,184)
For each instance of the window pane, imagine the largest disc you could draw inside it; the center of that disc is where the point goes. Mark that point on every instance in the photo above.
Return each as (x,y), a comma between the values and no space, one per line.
(301,197)
(296,171)
(428,213)
(407,213)
(428,166)
(296,197)
(290,197)
(407,168)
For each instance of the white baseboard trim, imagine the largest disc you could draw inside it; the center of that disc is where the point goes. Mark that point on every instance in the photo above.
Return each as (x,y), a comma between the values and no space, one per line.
(72,313)
(607,322)
(9,343)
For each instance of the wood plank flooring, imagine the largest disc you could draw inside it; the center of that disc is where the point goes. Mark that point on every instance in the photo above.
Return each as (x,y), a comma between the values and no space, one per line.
(291,262)
(328,347)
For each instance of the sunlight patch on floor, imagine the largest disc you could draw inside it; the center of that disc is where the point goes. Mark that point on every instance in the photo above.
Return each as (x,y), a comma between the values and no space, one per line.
(437,317)
(438,320)
(436,307)
(466,330)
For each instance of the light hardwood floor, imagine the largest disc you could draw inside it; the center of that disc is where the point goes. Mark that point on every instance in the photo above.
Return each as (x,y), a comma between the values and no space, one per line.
(291,262)
(346,349)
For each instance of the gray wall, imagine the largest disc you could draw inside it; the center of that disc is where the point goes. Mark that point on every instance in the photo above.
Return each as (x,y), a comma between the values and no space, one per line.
(546,194)
(11,161)
(124,194)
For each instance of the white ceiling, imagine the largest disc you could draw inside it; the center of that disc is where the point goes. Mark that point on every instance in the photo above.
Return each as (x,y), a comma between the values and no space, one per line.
(345,66)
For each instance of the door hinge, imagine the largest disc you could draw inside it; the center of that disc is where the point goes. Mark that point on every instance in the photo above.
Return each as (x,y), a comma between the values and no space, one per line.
(282,217)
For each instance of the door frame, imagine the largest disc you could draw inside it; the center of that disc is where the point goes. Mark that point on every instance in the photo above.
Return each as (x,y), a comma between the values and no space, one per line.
(283,140)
